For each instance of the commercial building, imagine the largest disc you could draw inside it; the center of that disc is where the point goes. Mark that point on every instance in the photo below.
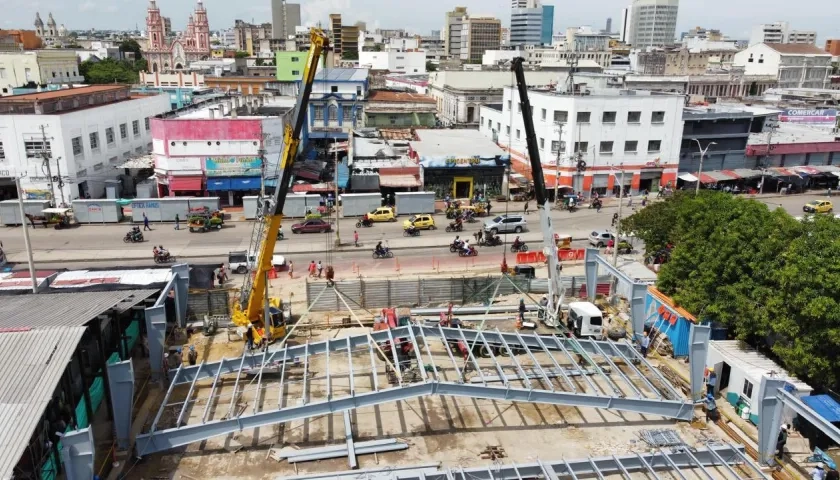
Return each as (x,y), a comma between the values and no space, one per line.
(832,46)
(650,23)
(634,134)
(459,163)
(89,132)
(725,131)
(532,25)
(337,103)
(556,57)
(38,67)
(682,61)
(178,79)
(467,38)
(165,55)
(780,32)
(285,17)
(794,65)
(396,61)
(586,39)
(399,109)
(238,84)
(452,30)
(247,36)
(460,94)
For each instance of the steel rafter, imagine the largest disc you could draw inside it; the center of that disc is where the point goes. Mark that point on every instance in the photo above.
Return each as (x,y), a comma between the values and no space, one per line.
(676,462)
(549,354)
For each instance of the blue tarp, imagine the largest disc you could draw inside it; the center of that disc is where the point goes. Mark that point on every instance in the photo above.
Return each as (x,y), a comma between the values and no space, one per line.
(245,183)
(218,184)
(826,406)
(343,174)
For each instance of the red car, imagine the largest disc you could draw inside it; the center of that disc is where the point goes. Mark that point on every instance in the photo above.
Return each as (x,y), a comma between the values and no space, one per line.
(312,226)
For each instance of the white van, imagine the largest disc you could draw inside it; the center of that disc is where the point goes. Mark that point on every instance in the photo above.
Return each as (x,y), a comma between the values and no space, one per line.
(585,320)
(240,262)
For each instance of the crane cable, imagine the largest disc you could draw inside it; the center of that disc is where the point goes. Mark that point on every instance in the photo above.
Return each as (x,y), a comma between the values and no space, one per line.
(328,236)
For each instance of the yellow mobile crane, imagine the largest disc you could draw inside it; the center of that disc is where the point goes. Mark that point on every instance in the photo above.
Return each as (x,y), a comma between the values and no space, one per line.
(254,308)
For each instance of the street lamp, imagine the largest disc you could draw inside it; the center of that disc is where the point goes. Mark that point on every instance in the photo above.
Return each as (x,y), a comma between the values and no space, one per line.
(702,155)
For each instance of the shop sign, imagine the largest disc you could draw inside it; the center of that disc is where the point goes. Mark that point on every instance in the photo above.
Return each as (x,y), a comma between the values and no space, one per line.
(146,205)
(233,167)
(809,115)
(94,208)
(5,173)
(461,162)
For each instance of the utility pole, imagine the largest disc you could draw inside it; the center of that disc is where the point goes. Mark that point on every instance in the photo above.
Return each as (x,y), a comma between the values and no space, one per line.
(46,158)
(702,155)
(557,163)
(618,221)
(764,160)
(335,200)
(26,237)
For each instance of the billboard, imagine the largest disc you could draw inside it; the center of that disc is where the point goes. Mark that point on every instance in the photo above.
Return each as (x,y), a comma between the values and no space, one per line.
(462,162)
(809,115)
(233,166)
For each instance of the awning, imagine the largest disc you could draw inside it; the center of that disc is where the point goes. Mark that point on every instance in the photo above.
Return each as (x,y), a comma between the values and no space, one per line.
(745,172)
(715,176)
(218,184)
(687,177)
(186,183)
(731,174)
(824,405)
(827,168)
(784,172)
(399,181)
(245,183)
(807,170)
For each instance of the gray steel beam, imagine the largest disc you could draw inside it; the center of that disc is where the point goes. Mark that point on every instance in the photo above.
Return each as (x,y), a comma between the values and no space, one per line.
(674,466)
(586,354)
(416,349)
(548,473)
(546,379)
(121,384)
(182,287)
(461,377)
(280,394)
(373,369)
(699,465)
(807,413)
(496,363)
(732,473)
(590,264)
(187,400)
(156,334)
(624,472)
(327,368)
(305,373)
(655,371)
(348,435)
(638,372)
(557,366)
(77,454)
(644,463)
(431,358)
(165,399)
(350,368)
(739,452)
(396,363)
(569,470)
(471,357)
(515,363)
(619,372)
(235,384)
(259,381)
(698,336)
(595,389)
(211,397)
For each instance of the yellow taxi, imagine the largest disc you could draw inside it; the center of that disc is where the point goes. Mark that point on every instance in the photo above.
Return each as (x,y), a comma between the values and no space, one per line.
(383,214)
(818,206)
(421,222)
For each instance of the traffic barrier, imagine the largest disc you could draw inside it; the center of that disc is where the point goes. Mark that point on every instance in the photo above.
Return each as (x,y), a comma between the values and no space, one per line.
(600,289)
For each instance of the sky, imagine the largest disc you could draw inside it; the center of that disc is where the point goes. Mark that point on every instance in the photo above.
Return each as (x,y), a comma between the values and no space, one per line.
(734,18)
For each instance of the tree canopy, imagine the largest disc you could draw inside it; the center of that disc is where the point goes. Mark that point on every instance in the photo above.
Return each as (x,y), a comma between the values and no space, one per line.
(773,280)
(111,71)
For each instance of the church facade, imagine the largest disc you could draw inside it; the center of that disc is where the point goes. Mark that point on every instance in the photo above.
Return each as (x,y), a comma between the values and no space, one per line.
(167,55)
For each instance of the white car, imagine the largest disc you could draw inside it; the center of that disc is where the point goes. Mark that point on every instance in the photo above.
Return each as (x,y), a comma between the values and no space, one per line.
(240,263)
(600,238)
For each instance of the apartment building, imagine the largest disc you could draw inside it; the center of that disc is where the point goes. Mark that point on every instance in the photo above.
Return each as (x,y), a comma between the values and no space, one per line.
(682,61)
(794,65)
(617,133)
(780,32)
(650,23)
(467,38)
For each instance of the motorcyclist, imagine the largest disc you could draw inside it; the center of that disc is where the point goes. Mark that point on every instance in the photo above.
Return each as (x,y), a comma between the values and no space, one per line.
(379,250)
(162,252)
(457,242)
(517,242)
(459,222)
(466,246)
(411,229)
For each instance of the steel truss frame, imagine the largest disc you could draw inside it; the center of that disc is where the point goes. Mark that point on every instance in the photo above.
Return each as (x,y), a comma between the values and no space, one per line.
(559,371)
(721,457)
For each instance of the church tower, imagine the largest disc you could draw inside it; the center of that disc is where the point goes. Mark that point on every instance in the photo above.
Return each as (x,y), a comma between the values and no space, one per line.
(39,25)
(154,27)
(202,28)
(52,31)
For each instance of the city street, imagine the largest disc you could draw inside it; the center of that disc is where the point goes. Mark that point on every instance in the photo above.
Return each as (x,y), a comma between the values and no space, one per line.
(102,245)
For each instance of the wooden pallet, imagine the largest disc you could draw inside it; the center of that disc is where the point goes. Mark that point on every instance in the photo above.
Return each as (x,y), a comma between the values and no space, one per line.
(493,452)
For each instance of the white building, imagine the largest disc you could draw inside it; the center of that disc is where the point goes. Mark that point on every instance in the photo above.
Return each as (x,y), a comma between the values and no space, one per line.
(587,39)
(53,66)
(549,57)
(394,61)
(337,102)
(403,44)
(637,132)
(780,32)
(90,131)
(794,65)
(650,23)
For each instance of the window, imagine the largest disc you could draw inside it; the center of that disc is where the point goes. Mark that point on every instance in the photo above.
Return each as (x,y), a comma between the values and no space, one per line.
(358,91)
(135,127)
(555,144)
(77,146)
(347,113)
(517,134)
(748,389)
(2,152)
(123,131)
(631,146)
(36,149)
(94,141)
(581,147)
(561,116)
(634,117)
(507,131)
(97,167)
(295,73)
(490,124)
(654,145)
(482,120)
(2,73)
(509,105)
(606,147)
(319,113)
(542,115)
(657,117)
(334,89)
(148,124)
(81,173)
(583,117)
(109,135)
(332,111)
(609,117)
(295,59)
(542,143)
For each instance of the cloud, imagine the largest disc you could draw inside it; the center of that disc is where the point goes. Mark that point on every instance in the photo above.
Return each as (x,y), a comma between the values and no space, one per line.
(319,10)
(87,6)
(112,8)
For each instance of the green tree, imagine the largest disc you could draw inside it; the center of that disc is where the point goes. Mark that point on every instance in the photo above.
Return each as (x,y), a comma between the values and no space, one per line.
(350,55)
(108,71)
(131,45)
(241,54)
(431,67)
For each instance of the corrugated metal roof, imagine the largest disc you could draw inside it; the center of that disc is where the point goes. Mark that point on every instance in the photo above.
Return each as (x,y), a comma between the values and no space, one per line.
(64,309)
(756,365)
(342,75)
(31,365)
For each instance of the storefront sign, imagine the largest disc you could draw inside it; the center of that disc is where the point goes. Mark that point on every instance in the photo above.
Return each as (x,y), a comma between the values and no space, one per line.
(5,173)
(460,162)
(806,115)
(36,194)
(146,205)
(178,163)
(94,207)
(233,166)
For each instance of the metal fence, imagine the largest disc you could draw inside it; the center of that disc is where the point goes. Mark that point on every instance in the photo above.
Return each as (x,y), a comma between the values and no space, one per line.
(208,302)
(371,294)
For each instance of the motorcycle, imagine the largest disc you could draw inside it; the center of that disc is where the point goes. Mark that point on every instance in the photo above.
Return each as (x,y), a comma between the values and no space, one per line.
(385,253)
(471,253)
(364,223)
(456,246)
(518,248)
(133,237)
(455,227)
(411,232)
(469,216)
(596,204)
(164,258)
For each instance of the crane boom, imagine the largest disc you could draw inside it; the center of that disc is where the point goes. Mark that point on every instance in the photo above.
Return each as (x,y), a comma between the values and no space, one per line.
(252,300)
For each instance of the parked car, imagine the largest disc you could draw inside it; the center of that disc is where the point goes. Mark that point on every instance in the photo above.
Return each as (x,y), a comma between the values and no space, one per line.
(315,225)
(242,262)
(421,222)
(506,224)
(600,238)
(818,206)
(383,214)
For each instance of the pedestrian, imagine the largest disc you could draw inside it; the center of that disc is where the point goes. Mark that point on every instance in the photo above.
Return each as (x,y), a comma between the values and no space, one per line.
(711,409)
(522,309)
(355,238)
(177,222)
(526,208)
(598,205)
(320,268)
(781,441)
(146,222)
(818,473)
(249,337)
(610,246)
(192,356)
(291,270)
(645,344)
(179,359)
(312,268)
(710,382)
(614,219)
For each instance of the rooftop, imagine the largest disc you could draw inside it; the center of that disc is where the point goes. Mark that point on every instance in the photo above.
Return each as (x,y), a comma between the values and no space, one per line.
(787,132)
(55,102)
(342,75)
(64,93)
(754,363)
(797,49)
(454,143)
(47,310)
(393,96)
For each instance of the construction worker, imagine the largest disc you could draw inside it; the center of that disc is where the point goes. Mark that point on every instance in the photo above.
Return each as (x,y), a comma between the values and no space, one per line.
(522,309)
(179,359)
(711,409)
(781,441)
(192,355)
(543,307)
(818,473)
(644,344)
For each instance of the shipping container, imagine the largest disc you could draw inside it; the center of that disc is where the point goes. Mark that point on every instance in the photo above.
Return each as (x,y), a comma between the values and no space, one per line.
(10,210)
(159,209)
(358,204)
(249,207)
(296,205)
(412,203)
(97,211)
(113,189)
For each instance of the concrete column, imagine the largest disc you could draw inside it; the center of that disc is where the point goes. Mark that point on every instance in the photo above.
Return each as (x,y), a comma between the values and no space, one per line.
(182,286)
(769,418)
(77,454)
(591,265)
(698,339)
(638,292)
(156,331)
(121,386)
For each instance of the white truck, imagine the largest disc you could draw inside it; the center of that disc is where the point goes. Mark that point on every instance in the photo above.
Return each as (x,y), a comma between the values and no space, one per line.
(585,320)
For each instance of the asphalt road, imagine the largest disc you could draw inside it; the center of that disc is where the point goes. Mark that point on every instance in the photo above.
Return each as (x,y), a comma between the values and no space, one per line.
(102,245)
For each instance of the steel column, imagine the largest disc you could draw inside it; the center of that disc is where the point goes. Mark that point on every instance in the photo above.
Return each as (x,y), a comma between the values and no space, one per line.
(769,418)
(121,385)
(638,293)
(416,348)
(699,336)
(156,334)
(590,264)
(809,414)
(181,273)
(77,454)
(350,368)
